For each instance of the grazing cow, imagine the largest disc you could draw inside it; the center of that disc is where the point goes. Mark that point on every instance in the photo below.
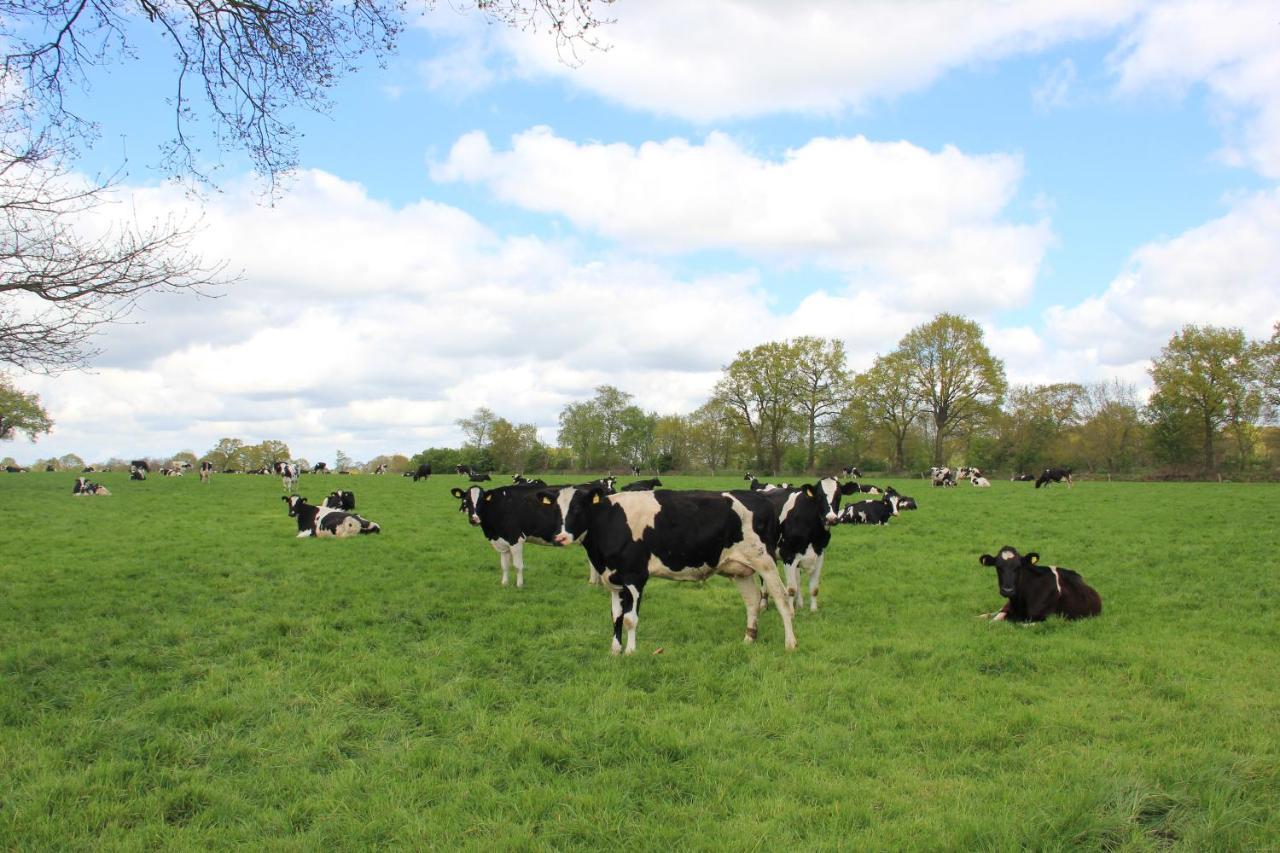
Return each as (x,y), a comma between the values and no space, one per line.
(851,471)
(84,487)
(381,469)
(1022,478)
(341,500)
(288,474)
(871,512)
(320,468)
(805,517)
(642,485)
(323,521)
(511,515)
(1054,475)
(14,469)
(206,470)
(478,477)
(980,482)
(422,473)
(632,536)
(1036,592)
(88,469)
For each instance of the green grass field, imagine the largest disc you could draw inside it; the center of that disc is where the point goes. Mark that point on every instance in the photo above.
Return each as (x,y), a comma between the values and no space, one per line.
(177,670)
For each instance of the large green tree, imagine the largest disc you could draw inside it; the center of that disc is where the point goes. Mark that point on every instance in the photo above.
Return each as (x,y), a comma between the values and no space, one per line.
(888,390)
(956,378)
(1111,432)
(21,412)
(758,391)
(1211,374)
(1037,421)
(820,386)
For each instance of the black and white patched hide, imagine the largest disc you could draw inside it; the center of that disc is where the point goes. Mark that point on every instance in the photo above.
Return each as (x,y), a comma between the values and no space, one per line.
(323,521)
(341,500)
(511,515)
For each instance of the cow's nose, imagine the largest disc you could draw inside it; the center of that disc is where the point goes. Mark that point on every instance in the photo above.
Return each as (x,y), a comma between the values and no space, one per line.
(563,539)
(475,519)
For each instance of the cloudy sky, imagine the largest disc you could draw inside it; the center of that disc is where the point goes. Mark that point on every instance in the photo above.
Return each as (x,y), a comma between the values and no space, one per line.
(480,224)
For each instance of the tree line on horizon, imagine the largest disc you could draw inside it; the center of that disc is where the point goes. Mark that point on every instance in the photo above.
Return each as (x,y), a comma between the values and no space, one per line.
(794,406)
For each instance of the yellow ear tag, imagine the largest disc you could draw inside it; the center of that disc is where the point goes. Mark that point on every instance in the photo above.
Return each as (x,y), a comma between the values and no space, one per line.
(595,499)
(1034,559)
(546,501)
(808,493)
(488,497)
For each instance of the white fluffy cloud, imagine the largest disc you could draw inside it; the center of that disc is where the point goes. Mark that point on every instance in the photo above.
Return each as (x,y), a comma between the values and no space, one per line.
(719,59)
(1225,272)
(927,224)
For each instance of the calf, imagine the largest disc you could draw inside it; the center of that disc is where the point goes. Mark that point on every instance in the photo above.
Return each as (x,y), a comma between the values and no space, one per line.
(1054,475)
(509,516)
(980,482)
(206,470)
(1035,592)
(871,512)
(423,472)
(805,517)
(323,521)
(84,487)
(288,474)
(632,536)
(341,500)
(642,485)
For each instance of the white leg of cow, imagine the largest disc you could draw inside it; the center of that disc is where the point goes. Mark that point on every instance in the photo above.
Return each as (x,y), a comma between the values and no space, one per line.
(615,605)
(769,572)
(593,577)
(793,583)
(750,592)
(517,556)
(814,577)
(504,557)
(631,616)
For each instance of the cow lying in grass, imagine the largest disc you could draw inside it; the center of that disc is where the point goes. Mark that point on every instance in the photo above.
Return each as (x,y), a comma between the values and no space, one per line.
(84,487)
(321,521)
(1036,592)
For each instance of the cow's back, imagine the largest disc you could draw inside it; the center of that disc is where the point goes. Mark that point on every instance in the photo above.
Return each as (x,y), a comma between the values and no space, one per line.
(1078,600)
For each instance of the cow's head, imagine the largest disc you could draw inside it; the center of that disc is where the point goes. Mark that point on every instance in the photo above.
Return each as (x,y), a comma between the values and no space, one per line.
(292,501)
(1007,564)
(471,501)
(576,506)
(827,493)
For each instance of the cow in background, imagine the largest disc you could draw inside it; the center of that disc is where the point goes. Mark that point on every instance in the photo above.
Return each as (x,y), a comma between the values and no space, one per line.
(288,474)
(1035,592)
(206,470)
(1054,475)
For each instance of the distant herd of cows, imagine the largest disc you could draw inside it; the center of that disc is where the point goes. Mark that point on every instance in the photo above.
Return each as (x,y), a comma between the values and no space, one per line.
(639,531)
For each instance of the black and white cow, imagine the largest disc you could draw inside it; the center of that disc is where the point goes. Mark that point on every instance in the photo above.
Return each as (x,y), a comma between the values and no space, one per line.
(866,489)
(1022,478)
(323,521)
(1035,592)
(288,474)
(14,469)
(633,536)
(381,469)
(521,480)
(943,476)
(871,512)
(171,472)
(1054,475)
(980,482)
(757,486)
(478,477)
(136,473)
(851,471)
(511,515)
(320,468)
(968,472)
(465,470)
(642,485)
(206,470)
(341,500)
(422,472)
(141,464)
(88,469)
(805,517)
(84,487)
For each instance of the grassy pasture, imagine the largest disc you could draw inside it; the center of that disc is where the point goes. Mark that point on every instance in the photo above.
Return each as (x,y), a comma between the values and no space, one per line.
(177,670)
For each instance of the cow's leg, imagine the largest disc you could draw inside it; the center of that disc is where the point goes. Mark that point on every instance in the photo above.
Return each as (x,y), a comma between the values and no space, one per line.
(593,577)
(793,581)
(504,558)
(517,556)
(615,604)
(631,595)
(751,597)
(769,572)
(814,576)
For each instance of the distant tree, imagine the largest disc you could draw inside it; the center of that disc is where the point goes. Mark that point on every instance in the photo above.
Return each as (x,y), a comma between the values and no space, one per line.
(184,456)
(70,462)
(672,442)
(227,454)
(581,433)
(757,389)
(820,386)
(342,462)
(713,436)
(21,412)
(888,390)
(1111,432)
(511,444)
(956,378)
(397,463)
(1212,375)
(1036,421)
(636,439)
(477,430)
(1269,372)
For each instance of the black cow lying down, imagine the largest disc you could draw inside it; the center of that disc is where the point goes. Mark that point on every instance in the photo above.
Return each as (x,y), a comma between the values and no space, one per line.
(642,485)
(323,521)
(342,500)
(633,536)
(1036,592)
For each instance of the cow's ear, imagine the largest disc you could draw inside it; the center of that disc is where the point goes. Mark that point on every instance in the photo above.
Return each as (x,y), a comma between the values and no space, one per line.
(457,493)
(987,560)
(1032,559)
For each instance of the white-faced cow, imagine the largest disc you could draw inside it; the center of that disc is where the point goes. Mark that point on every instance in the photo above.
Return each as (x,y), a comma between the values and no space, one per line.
(422,472)
(206,471)
(138,469)
(633,536)
(84,487)
(1035,592)
(1054,475)
(288,474)
(805,517)
(323,521)
(511,515)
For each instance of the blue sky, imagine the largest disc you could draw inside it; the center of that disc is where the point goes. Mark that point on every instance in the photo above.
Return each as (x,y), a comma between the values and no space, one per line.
(1082,179)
